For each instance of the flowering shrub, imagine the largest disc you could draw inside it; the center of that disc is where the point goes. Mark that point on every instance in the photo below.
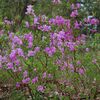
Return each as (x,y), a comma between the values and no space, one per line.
(44,60)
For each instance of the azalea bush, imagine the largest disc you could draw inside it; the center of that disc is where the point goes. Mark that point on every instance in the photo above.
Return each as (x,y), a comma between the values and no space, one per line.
(51,58)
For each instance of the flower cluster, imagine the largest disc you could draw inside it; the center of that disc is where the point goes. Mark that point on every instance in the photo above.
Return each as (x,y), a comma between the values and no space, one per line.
(36,63)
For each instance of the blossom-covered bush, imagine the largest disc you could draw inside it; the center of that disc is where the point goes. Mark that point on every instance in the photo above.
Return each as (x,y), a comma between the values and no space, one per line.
(48,56)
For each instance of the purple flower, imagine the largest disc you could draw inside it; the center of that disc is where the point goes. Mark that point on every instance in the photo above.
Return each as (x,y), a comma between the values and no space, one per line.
(36,49)
(17,85)
(87,20)
(20,52)
(26,81)
(44,28)
(30,44)
(62,68)
(77,25)
(81,71)
(49,76)
(94,61)
(10,65)
(34,69)
(13,55)
(61,35)
(19,69)
(30,10)
(31,53)
(93,21)
(0,58)
(34,80)
(17,62)
(87,49)
(59,20)
(93,30)
(44,75)
(65,64)
(67,22)
(27,24)
(72,6)
(56,1)
(17,40)
(71,45)
(11,34)
(74,13)
(71,66)
(25,74)
(40,88)
(7,22)
(78,5)
(36,19)
(29,37)
(78,62)
(50,50)
(52,21)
